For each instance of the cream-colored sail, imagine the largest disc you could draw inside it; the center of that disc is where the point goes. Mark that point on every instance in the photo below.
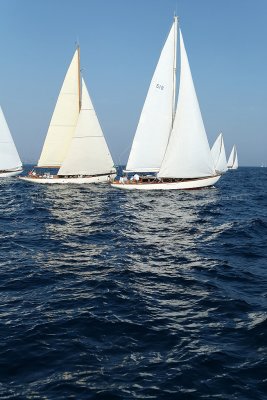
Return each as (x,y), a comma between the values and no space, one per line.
(9,158)
(88,153)
(188,153)
(218,155)
(64,119)
(155,122)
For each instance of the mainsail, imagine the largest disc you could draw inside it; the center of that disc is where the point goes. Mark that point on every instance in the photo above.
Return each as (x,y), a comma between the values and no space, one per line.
(156,119)
(188,153)
(9,157)
(64,119)
(218,154)
(88,153)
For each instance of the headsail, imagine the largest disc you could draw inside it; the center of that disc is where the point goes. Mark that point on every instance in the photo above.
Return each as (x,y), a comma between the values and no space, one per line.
(9,157)
(155,122)
(64,119)
(218,154)
(188,153)
(88,152)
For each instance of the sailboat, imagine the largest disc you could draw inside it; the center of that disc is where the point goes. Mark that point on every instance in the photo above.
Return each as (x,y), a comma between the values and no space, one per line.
(75,144)
(218,155)
(170,141)
(233,160)
(10,162)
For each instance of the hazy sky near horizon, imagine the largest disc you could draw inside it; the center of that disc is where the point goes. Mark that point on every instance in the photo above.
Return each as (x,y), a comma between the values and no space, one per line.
(120,40)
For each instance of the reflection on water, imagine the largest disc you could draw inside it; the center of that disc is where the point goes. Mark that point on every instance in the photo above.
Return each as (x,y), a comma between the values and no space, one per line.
(134,295)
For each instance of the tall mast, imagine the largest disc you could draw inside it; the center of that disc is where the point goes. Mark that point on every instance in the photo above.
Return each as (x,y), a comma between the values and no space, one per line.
(79,78)
(174,67)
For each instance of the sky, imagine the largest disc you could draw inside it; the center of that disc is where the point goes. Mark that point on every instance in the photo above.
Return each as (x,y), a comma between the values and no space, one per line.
(120,41)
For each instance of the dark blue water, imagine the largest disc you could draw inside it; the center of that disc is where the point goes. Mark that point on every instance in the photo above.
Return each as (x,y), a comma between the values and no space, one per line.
(106,294)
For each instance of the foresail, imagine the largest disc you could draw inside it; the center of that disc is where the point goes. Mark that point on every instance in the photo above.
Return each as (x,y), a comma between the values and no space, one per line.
(188,153)
(64,119)
(88,152)
(9,157)
(218,154)
(155,122)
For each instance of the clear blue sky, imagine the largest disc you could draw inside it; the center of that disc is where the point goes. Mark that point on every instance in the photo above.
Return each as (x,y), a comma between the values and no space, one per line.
(120,41)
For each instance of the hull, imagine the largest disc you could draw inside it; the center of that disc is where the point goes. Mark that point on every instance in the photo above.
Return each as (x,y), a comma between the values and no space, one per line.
(181,185)
(9,174)
(54,180)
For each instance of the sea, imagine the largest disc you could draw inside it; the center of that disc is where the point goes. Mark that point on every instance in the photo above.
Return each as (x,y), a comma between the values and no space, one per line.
(113,295)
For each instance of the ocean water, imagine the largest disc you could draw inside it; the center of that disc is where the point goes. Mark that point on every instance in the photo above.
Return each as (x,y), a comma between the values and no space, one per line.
(111,295)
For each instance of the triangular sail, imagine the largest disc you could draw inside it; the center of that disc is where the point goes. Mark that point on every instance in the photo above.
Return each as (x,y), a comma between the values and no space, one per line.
(188,153)
(88,152)
(9,157)
(155,122)
(218,154)
(64,119)
(233,160)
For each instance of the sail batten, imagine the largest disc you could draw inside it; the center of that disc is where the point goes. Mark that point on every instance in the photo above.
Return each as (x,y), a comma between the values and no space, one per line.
(155,121)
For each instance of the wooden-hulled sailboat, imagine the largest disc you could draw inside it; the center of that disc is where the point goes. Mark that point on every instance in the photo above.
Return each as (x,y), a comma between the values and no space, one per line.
(218,155)
(10,162)
(170,143)
(233,160)
(74,144)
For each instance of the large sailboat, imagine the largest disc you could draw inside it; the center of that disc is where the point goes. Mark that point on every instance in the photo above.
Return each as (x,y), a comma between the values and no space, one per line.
(170,149)
(218,155)
(233,160)
(75,144)
(10,162)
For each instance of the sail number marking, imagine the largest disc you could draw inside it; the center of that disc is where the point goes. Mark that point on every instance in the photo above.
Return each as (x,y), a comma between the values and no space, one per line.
(158,86)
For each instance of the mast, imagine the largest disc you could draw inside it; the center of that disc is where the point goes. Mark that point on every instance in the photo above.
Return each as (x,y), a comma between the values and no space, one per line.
(174,66)
(79,78)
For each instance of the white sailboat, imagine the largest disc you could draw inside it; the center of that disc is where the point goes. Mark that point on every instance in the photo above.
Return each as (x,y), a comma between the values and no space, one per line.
(218,155)
(75,143)
(171,143)
(233,160)
(10,162)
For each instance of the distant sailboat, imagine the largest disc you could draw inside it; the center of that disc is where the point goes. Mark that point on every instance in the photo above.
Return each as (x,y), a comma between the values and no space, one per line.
(10,162)
(171,143)
(218,155)
(75,143)
(233,160)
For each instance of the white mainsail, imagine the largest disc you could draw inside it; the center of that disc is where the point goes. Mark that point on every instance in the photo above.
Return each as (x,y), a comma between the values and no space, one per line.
(188,153)
(64,119)
(9,157)
(88,153)
(233,160)
(156,119)
(218,154)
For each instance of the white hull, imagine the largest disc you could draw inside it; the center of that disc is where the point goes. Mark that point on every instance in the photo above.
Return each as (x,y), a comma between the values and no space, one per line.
(182,185)
(10,173)
(77,181)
